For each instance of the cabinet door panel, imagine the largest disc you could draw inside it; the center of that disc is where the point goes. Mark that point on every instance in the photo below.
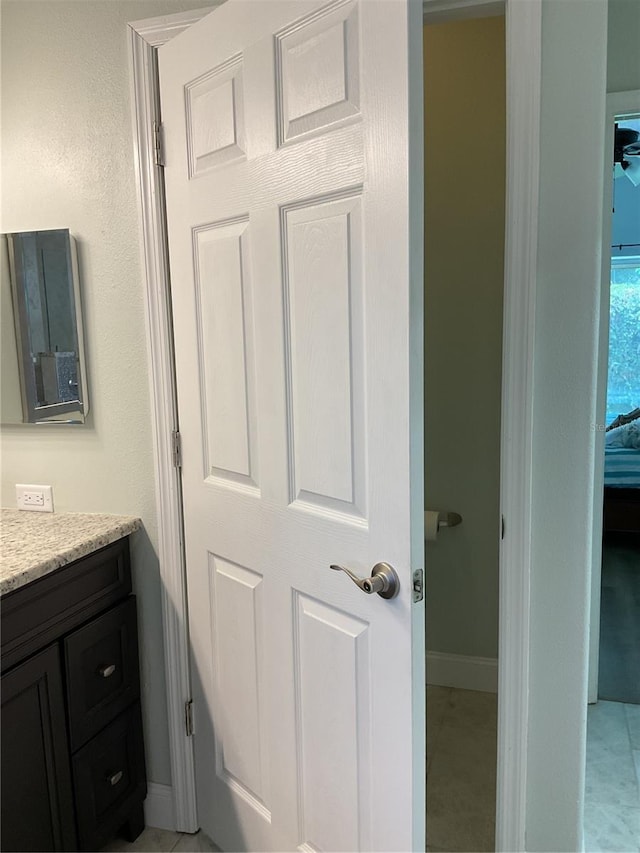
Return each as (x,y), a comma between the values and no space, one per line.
(37,803)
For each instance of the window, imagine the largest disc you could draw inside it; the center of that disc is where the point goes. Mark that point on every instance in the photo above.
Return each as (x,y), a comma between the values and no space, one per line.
(623,385)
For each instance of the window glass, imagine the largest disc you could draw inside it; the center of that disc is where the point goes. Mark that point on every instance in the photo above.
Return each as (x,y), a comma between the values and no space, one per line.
(623,388)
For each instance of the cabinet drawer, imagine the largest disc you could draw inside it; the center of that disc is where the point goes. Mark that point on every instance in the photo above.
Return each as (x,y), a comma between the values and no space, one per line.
(102,671)
(42,611)
(109,778)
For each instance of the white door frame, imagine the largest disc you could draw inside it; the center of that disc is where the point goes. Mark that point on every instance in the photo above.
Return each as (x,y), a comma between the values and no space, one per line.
(145,37)
(523,50)
(618,104)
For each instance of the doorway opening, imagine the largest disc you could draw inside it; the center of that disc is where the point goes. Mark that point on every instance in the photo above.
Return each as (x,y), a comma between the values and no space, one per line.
(465,166)
(612,787)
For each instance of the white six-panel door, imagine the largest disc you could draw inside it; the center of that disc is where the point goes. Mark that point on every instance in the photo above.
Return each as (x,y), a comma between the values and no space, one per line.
(288,191)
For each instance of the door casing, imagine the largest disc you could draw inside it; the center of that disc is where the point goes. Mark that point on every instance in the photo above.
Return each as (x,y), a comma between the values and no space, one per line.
(619,104)
(523,50)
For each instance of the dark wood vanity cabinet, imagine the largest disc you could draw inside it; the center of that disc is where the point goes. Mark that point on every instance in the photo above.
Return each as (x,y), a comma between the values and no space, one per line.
(37,800)
(72,770)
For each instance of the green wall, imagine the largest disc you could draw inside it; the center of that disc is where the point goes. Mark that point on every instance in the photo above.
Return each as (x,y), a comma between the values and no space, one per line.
(464,79)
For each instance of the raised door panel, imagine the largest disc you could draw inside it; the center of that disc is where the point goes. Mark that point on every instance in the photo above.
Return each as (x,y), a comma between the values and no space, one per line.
(227,370)
(332,660)
(317,72)
(322,248)
(215,118)
(237,643)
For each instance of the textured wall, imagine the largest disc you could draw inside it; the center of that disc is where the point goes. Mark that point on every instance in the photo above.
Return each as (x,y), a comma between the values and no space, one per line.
(464,64)
(67,162)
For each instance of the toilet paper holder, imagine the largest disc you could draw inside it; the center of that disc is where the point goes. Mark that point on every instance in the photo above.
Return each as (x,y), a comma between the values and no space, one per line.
(449,519)
(435,520)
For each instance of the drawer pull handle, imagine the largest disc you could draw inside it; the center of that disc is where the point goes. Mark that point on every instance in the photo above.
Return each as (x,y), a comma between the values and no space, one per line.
(107,670)
(115,778)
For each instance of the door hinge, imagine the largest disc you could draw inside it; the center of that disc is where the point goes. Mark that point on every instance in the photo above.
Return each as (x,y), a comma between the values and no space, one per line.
(176,449)
(158,147)
(418,585)
(188,717)
(502,527)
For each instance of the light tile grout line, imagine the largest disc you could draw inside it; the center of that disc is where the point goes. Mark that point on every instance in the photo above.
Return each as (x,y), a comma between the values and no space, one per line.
(592,839)
(632,751)
(179,839)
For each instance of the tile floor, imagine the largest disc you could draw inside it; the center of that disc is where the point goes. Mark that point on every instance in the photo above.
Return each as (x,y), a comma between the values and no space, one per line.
(461,769)
(153,840)
(461,777)
(612,785)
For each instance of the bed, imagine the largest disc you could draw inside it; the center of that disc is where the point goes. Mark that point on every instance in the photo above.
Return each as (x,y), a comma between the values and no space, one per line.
(622,478)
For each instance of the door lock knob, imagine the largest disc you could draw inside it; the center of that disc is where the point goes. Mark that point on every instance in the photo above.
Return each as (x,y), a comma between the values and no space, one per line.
(384,580)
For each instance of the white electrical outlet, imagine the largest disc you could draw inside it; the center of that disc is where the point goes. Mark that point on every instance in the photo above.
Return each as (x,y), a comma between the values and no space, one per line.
(35,498)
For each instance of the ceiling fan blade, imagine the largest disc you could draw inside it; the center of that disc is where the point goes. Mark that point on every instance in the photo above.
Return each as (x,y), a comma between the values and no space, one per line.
(626,136)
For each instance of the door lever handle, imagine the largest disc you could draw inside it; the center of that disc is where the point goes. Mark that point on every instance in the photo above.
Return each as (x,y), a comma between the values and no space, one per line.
(384,580)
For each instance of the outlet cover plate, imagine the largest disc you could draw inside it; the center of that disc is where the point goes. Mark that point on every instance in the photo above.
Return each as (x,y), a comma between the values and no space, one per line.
(34,498)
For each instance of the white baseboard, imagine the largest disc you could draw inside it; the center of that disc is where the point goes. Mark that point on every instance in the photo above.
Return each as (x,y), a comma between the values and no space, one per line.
(468,673)
(158,807)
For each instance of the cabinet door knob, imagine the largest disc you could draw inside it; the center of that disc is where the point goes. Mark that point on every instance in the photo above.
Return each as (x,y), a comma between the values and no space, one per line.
(107,670)
(115,778)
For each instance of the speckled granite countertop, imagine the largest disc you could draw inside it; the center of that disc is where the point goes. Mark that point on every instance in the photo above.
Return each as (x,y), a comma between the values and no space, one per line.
(32,544)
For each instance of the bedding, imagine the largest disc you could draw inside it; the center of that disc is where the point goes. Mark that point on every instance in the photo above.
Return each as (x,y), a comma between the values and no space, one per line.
(621,510)
(624,436)
(622,467)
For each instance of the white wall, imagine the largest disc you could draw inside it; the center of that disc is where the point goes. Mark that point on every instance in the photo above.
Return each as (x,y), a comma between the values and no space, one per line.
(571,186)
(623,58)
(67,162)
